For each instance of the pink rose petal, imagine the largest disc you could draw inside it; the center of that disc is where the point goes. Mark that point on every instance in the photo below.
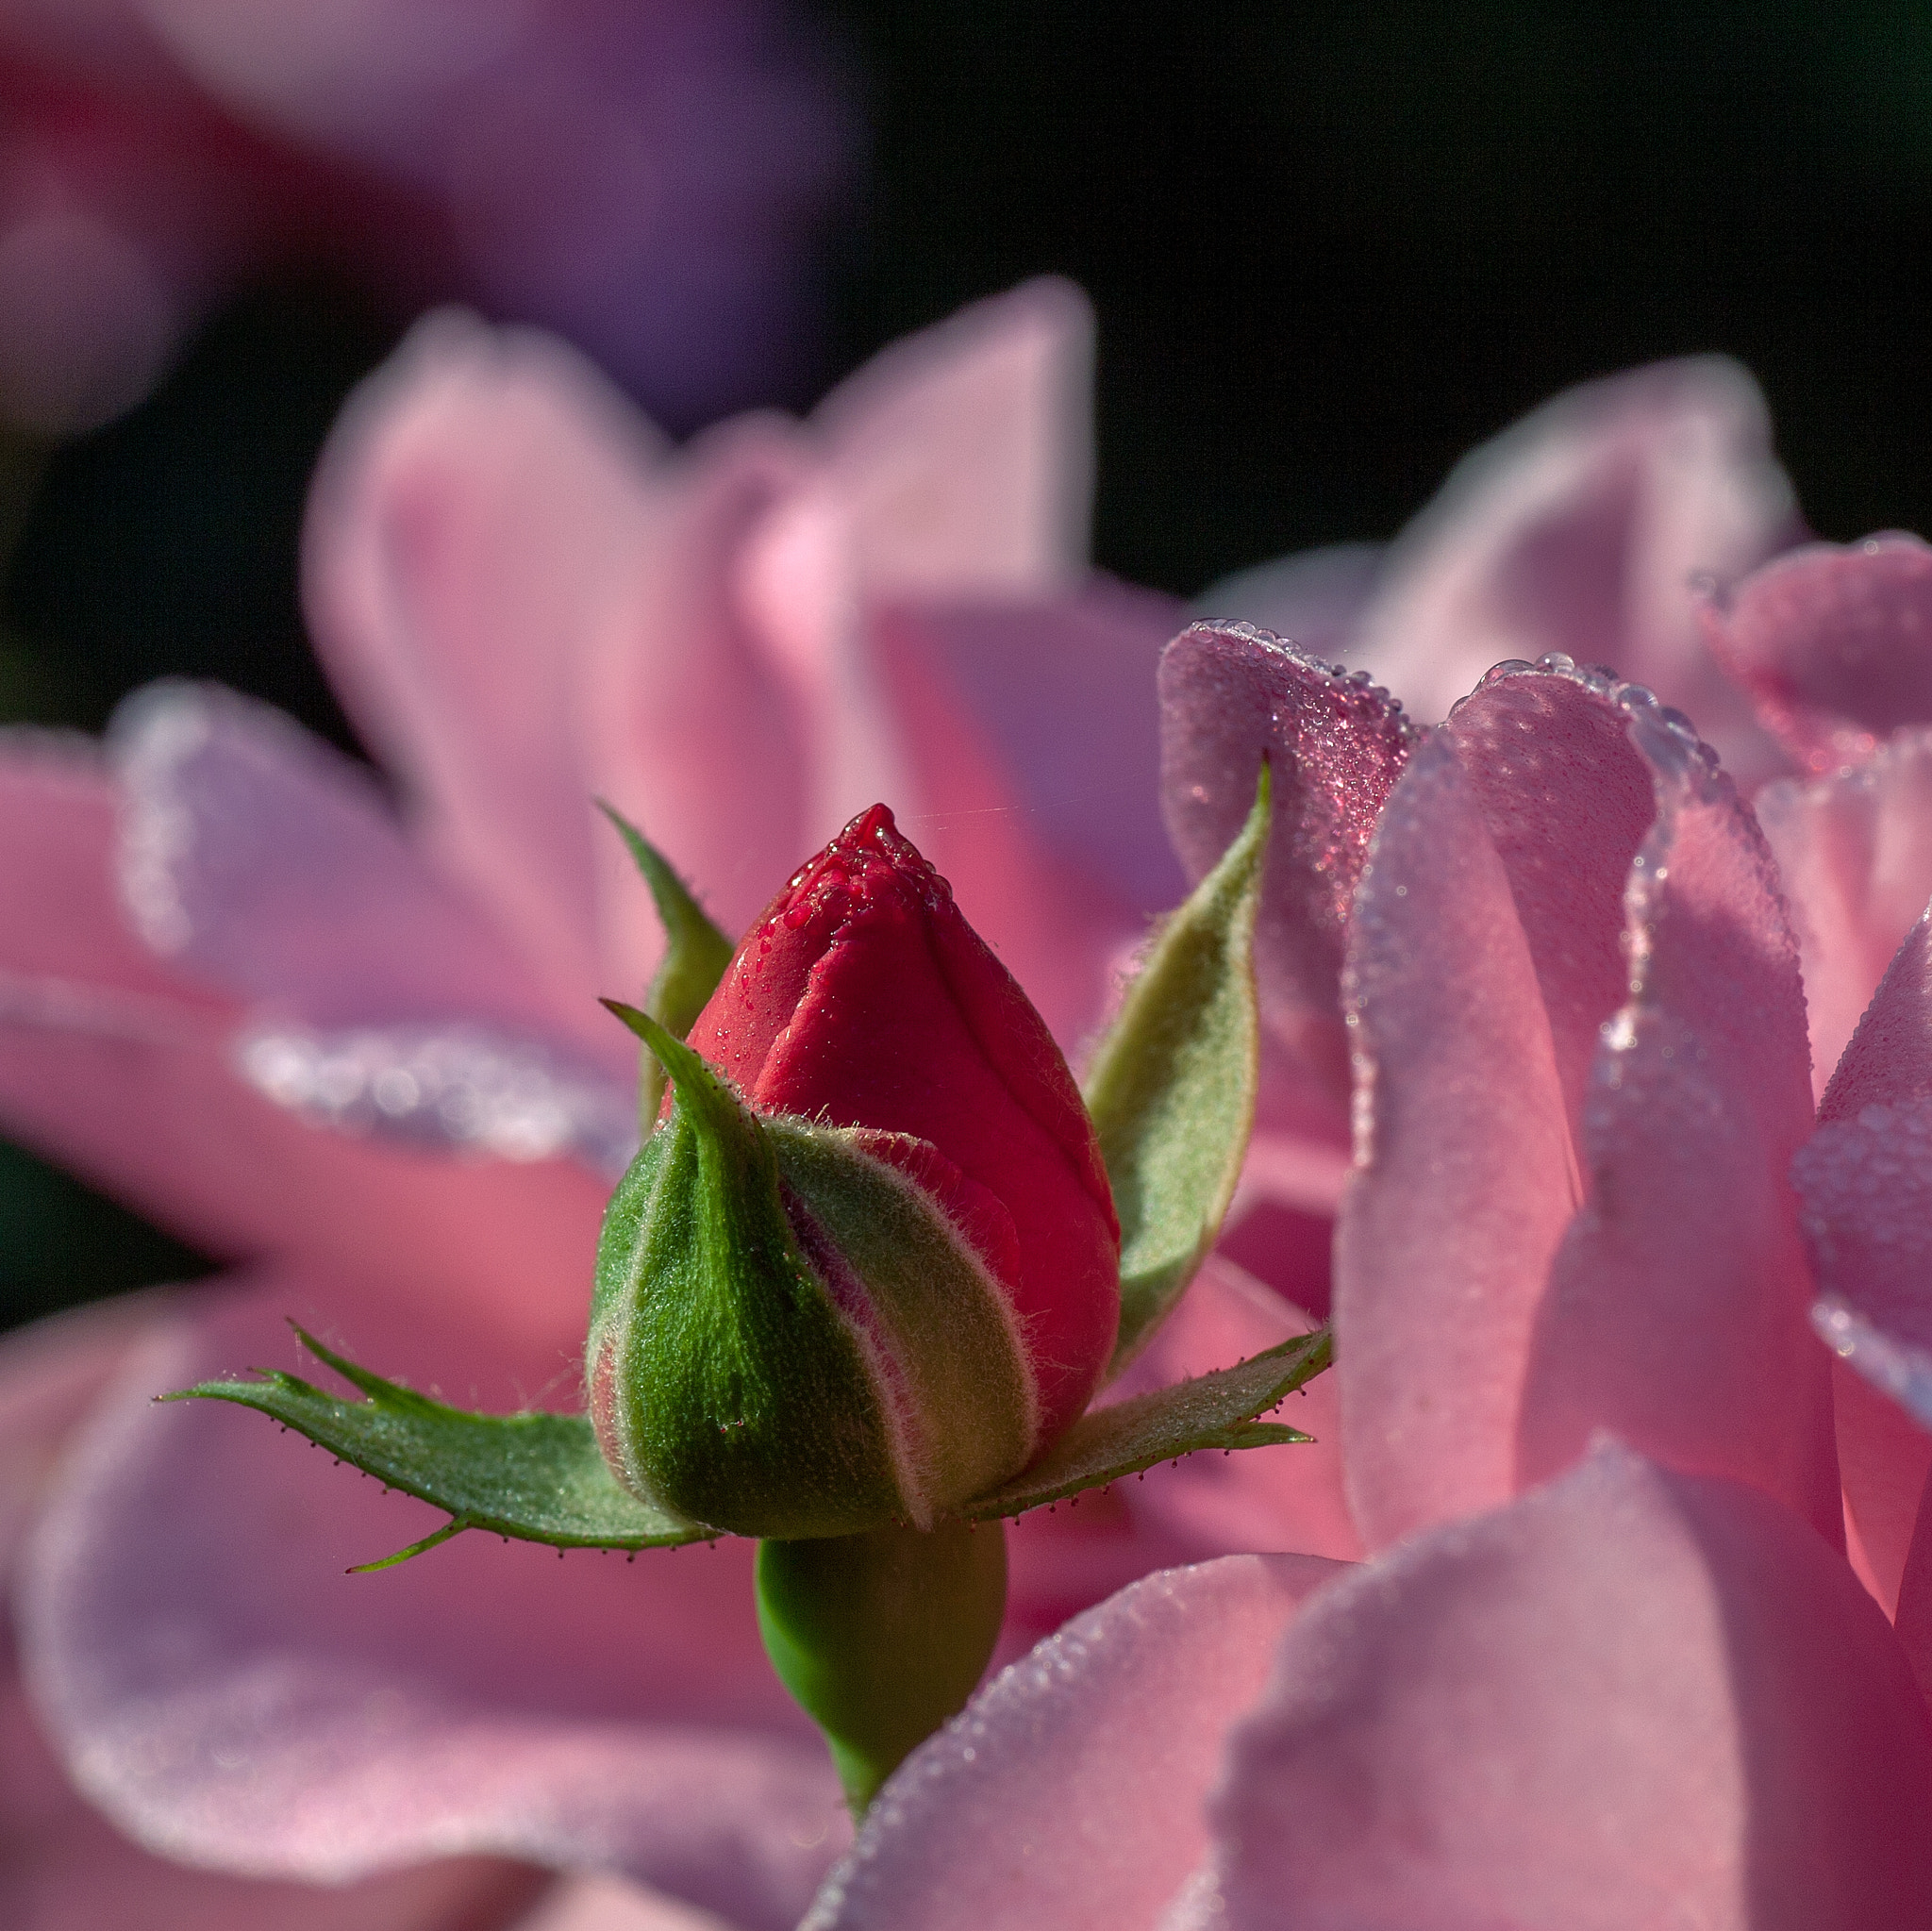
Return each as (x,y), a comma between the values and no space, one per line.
(1676,1311)
(1067,1793)
(471,524)
(255,857)
(1580,529)
(1064,1559)
(1633,1697)
(99,1042)
(1854,857)
(962,457)
(1567,800)
(67,1868)
(1866,1181)
(1834,642)
(229,1696)
(1466,1174)
(1317,597)
(1228,694)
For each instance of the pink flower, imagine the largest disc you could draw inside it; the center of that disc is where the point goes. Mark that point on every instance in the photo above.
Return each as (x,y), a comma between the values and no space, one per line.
(299,1021)
(647,178)
(1599,1669)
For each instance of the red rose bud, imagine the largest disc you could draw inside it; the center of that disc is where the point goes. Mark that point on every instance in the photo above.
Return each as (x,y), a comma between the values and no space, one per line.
(873,1268)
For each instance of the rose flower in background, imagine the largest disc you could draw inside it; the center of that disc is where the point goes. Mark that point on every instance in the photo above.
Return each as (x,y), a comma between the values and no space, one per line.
(648,179)
(1544,951)
(526,600)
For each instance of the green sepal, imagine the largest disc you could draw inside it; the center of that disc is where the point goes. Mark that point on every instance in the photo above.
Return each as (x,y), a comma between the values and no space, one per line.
(1172,1087)
(1215,1410)
(727,1388)
(941,1316)
(538,1477)
(881,1638)
(695,956)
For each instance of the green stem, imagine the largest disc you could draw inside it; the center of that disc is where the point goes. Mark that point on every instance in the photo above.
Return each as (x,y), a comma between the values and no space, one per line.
(882,1637)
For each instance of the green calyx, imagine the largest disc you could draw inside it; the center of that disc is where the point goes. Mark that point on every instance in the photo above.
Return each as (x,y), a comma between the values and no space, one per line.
(695,956)
(789,1339)
(1171,1089)
(881,1638)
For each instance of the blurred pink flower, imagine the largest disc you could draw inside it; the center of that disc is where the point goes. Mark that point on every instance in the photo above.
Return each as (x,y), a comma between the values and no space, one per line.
(646,177)
(246,994)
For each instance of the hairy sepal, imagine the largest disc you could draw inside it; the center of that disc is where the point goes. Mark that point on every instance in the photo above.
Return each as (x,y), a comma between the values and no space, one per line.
(538,1477)
(790,1339)
(1171,1089)
(1214,1411)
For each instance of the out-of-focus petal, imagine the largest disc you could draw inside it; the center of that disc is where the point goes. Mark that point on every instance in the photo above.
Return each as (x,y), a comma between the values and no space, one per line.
(1062,693)
(1677,1308)
(1230,694)
(611,1904)
(1854,857)
(1866,1180)
(1031,739)
(1068,1792)
(1065,1560)
(1834,642)
(1287,1498)
(1634,1697)
(125,1071)
(1466,1175)
(259,859)
(229,1696)
(1580,529)
(475,513)
(66,1868)
(963,456)
(695,718)
(1317,597)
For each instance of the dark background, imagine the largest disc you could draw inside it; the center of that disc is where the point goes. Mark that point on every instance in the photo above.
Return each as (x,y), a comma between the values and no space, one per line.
(1330,248)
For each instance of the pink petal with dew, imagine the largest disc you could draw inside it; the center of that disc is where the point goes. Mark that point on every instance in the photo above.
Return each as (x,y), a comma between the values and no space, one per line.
(1067,1793)
(1854,858)
(1631,1698)
(1565,799)
(67,1868)
(1580,529)
(230,1697)
(1229,695)
(962,457)
(1834,642)
(257,858)
(1866,1182)
(115,1065)
(1676,1312)
(474,517)
(1462,1186)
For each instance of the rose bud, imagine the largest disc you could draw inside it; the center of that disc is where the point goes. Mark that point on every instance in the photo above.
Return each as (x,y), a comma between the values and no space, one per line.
(868,1264)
